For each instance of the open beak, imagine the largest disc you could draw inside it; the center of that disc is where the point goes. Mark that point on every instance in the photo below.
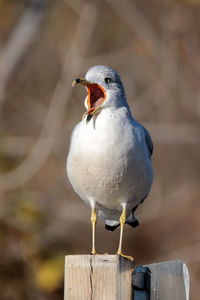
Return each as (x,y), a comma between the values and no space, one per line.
(96,97)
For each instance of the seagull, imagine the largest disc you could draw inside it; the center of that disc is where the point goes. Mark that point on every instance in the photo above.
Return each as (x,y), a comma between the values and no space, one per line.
(109,162)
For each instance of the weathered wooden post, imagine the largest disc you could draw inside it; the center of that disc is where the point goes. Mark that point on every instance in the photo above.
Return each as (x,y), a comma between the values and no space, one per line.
(169,280)
(112,277)
(98,277)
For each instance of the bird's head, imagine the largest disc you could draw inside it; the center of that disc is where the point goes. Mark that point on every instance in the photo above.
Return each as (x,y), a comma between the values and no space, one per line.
(105,89)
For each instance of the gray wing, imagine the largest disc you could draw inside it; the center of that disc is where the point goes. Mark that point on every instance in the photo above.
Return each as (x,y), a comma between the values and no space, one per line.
(148,141)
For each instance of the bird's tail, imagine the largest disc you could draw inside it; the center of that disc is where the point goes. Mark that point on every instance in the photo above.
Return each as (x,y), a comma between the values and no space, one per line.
(131,221)
(111,225)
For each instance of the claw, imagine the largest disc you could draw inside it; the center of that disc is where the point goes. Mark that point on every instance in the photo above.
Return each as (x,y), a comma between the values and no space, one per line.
(125,256)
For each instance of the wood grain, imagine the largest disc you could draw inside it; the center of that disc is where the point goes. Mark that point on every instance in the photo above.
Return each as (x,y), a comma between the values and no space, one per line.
(169,280)
(99,277)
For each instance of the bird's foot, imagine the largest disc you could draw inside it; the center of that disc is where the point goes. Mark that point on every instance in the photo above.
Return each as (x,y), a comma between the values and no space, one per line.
(93,252)
(126,256)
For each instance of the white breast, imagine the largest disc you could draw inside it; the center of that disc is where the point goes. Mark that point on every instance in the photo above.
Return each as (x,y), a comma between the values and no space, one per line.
(108,160)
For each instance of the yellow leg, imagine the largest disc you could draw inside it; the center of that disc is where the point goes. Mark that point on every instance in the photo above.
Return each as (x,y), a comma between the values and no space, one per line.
(93,220)
(122,221)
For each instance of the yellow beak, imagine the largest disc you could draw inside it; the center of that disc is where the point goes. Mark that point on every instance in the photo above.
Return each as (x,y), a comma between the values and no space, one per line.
(82,81)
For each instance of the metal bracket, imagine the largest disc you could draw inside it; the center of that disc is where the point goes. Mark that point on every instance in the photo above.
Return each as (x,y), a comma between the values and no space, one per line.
(141,282)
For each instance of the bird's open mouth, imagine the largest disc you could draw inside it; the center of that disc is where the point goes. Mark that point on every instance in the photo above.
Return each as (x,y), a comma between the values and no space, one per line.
(96,97)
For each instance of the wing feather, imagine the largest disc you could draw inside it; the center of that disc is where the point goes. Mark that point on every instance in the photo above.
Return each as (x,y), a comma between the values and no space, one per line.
(148,141)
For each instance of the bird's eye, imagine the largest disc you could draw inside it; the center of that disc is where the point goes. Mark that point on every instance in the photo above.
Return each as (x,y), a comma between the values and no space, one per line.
(107,79)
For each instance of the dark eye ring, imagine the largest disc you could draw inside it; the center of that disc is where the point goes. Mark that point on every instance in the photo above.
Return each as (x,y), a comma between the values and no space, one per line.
(107,79)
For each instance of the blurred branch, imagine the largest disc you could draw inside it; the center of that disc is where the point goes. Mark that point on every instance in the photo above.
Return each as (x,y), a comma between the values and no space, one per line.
(114,57)
(19,42)
(16,146)
(160,52)
(162,133)
(158,96)
(184,134)
(144,31)
(61,96)
(162,208)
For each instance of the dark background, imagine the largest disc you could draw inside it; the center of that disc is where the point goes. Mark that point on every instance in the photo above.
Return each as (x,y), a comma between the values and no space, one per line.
(44,45)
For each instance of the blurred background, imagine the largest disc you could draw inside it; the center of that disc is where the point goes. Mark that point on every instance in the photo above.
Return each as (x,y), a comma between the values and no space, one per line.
(44,45)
